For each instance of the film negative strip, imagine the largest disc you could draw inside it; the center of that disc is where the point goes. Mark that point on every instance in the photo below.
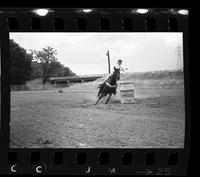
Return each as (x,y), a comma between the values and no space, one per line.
(54,63)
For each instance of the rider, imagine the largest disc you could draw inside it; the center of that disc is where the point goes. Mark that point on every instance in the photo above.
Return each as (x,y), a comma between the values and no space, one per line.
(118,66)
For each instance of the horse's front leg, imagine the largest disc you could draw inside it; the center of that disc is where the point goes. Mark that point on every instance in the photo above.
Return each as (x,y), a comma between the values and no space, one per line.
(108,98)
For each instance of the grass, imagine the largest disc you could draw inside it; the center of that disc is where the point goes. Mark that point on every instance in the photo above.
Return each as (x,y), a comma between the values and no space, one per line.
(160,83)
(154,79)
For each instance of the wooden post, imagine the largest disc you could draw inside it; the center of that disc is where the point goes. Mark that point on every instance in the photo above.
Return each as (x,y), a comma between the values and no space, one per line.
(108,61)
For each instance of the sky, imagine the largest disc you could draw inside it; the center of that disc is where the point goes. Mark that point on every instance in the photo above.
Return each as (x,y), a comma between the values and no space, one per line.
(85,53)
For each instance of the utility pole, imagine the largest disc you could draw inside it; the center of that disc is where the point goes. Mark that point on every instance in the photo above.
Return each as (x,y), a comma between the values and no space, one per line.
(108,54)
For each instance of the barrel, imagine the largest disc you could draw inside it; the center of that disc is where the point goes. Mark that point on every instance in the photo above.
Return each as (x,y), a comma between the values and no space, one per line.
(127,92)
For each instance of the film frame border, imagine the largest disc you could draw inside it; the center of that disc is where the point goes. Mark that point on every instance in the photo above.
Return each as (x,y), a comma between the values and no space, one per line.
(74,21)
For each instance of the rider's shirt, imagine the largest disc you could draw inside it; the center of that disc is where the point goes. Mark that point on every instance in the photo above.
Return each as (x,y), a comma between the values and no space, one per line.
(120,67)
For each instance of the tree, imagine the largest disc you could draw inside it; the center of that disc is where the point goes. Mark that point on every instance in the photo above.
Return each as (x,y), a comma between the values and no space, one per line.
(46,65)
(68,72)
(45,57)
(59,70)
(36,70)
(20,64)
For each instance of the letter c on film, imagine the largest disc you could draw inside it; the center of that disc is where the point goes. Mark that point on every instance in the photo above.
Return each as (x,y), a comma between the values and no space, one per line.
(37,169)
(12,169)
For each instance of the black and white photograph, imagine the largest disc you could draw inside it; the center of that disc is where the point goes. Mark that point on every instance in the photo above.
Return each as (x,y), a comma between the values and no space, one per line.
(97,90)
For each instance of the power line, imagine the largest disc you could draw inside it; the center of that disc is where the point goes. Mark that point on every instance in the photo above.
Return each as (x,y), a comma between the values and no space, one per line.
(179,64)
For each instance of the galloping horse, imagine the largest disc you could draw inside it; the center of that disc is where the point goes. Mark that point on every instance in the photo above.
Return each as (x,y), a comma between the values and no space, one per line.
(109,86)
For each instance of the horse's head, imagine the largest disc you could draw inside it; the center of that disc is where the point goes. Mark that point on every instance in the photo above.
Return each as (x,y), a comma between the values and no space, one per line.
(116,73)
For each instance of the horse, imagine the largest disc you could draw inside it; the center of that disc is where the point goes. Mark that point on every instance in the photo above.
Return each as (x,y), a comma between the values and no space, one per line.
(109,86)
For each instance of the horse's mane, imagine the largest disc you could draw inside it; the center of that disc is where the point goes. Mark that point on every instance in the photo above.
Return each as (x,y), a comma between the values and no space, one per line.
(109,80)
(110,77)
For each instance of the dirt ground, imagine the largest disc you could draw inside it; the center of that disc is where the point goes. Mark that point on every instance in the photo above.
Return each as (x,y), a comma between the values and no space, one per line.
(70,119)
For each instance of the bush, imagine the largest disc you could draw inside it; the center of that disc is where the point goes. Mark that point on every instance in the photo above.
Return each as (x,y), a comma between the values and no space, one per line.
(20,88)
(34,85)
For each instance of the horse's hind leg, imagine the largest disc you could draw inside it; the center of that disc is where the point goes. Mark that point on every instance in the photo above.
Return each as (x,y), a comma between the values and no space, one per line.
(99,99)
(108,98)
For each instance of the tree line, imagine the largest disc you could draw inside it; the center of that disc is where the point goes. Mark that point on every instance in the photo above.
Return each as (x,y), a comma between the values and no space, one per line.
(26,66)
